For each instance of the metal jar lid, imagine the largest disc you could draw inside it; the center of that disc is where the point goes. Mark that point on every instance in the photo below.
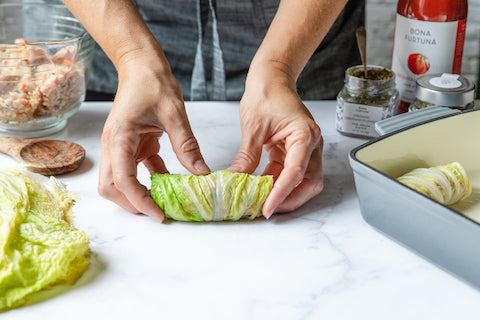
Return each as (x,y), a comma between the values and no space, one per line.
(445,89)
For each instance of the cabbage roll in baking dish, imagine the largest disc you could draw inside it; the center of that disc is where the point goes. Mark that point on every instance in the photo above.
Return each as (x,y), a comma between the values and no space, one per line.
(220,195)
(446,184)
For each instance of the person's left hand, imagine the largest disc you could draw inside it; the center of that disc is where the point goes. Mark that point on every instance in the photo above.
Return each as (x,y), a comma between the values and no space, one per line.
(273,116)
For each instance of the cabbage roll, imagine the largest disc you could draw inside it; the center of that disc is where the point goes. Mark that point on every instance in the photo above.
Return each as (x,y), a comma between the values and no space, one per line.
(220,195)
(446,184)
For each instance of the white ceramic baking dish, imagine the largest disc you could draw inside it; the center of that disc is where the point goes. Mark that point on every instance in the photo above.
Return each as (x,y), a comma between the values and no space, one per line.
(449,236)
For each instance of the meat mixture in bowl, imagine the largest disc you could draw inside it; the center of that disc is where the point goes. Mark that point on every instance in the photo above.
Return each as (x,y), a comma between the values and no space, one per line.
(34,84)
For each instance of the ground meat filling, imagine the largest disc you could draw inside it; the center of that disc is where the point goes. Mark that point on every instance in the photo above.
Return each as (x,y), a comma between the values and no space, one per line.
(34,84)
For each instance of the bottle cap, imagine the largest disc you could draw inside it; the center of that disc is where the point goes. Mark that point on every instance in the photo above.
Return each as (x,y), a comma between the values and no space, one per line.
(445,89)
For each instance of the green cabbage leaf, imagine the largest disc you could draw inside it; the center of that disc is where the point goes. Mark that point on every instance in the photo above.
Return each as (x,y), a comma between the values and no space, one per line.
(39,246)
(220,195)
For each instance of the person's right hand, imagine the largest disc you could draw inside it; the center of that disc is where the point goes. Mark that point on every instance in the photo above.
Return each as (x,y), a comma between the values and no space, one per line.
(148,102)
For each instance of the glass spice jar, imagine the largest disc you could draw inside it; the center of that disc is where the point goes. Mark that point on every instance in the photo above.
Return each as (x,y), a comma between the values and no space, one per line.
(444,90)
(366,100)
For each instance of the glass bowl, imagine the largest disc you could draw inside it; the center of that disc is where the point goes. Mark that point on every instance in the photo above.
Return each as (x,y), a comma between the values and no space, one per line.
(45,56)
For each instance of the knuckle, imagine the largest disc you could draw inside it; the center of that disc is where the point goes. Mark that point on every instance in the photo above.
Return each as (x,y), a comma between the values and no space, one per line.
(172,110)
(317,187)
(169,111)
(118,138)
(316,132)
(105,189)
(189,146)
(106,135)
(118,181)
(310,133)
(245,157)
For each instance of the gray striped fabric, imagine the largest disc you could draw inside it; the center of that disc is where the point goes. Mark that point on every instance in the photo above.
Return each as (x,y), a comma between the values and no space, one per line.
(210,44)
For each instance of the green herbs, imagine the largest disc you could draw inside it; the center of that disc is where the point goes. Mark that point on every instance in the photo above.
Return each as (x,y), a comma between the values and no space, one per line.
(372,74)
(377,89)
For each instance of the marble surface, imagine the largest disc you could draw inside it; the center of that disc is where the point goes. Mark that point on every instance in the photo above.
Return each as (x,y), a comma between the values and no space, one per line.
(321,261)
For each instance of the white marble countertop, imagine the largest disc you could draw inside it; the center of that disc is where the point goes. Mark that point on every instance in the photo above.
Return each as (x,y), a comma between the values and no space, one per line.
(320,262)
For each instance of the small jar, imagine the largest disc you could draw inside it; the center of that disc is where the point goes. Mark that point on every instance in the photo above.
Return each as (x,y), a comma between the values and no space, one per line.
(366,100)
(444,90)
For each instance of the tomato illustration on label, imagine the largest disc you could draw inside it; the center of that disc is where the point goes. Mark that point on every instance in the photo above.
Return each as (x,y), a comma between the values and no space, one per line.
(418,63)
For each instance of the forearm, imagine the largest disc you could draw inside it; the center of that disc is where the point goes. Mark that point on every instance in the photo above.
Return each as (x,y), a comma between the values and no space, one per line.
(119,29)
(296,31)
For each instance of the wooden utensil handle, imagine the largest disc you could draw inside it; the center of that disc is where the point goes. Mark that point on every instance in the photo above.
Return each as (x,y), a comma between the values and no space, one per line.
(12,146)
(361,35)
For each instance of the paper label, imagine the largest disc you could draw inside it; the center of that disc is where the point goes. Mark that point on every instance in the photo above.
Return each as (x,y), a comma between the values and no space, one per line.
(446,81)
(425,47)
(359,119)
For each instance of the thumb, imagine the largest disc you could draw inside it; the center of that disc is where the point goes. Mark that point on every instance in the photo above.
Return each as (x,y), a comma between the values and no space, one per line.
(248,155)
(187,150)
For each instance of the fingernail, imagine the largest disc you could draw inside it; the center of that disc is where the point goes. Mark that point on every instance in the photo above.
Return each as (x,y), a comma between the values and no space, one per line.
(268,214)
(201,166)
(157,217)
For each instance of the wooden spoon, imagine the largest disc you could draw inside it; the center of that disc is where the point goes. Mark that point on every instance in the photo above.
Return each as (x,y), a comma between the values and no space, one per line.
(47,157)
(361,34)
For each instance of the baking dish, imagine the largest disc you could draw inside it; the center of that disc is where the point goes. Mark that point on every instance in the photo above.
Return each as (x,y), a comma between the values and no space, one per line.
(448,236)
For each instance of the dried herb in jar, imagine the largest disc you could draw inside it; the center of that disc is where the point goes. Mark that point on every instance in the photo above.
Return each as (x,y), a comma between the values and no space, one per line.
(365,100)
(376,89)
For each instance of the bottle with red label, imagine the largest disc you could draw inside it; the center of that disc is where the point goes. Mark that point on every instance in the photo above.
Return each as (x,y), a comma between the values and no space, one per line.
(429,38)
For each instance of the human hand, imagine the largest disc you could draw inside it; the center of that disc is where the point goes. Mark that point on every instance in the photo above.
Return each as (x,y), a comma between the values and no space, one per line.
(139,116)
(273,116)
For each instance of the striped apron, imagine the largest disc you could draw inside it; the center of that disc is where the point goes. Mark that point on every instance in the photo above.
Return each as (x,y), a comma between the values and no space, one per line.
(210,44)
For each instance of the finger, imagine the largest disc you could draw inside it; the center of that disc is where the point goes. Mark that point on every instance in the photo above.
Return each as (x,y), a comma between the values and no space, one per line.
(276,156)
(249,154)
(132,192)
(107,189)
(274,169)
(187,150)
(155,164)
(296,162)
(310,186)
(300,195)
(124,173)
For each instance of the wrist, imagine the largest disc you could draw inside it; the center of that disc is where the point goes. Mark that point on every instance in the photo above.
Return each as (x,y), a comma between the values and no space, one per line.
(145,76)
(146,54)
(268,74)
(144,69)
